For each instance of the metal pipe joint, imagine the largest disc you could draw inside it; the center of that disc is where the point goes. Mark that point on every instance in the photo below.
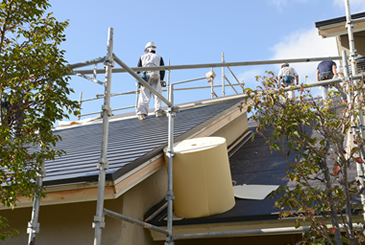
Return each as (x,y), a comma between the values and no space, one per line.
(100,221)
(107,109)
(103,164)
(170,153)
(41,172)
(33,228)
(170,195)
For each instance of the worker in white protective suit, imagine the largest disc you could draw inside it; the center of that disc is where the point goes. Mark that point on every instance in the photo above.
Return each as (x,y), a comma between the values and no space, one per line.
(154,78)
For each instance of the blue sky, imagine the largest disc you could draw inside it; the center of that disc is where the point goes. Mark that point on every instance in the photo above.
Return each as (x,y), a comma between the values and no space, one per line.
(195,32)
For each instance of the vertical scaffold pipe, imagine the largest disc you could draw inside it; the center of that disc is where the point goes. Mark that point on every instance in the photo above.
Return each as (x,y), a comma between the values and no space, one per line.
(360,128)
(346,73)
(99,221)
(80,103)
(138,87)
(223,78)
(33,225)
(349,26)
(171,94)
(168,82)
(350,135)
(170,154)
(212,86)
(95,69)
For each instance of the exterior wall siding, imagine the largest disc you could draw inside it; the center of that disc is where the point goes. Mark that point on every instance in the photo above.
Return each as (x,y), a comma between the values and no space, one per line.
(72,223)
(359,43)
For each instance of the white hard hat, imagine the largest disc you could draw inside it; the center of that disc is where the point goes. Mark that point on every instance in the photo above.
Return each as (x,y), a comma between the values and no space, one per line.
(150,45)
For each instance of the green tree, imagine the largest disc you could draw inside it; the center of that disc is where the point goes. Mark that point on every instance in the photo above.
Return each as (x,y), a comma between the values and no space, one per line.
(321,190)
(34,95)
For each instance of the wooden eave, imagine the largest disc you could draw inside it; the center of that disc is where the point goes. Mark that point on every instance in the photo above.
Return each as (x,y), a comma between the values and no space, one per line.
(338,29)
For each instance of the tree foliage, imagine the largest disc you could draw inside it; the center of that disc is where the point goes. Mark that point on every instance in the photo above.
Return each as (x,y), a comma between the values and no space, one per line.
(34,95)
(321,190)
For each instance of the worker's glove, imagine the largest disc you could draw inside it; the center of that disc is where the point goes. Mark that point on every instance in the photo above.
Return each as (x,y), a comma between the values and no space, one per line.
(163,83)
(143,76)
(335,76)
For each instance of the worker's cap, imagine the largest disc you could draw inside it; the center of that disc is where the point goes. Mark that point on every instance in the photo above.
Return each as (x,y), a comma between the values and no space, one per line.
(285,64)
(150,45)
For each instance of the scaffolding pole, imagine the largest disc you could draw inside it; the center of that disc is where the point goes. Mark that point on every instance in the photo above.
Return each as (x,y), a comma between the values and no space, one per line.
(99,219)
(202,87)
(268,231)
(89,78)
(236,78)
(168,80)
(33,225)
(87,63)
(350,26)
(138,91)
(135,221)
(80,103)
(223,78)
(170,154)
(231,84)
(358,128)
(212,65)
(100,112)
(243,96)
(190,80)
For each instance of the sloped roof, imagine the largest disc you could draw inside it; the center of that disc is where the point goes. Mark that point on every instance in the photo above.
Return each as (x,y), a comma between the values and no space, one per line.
(131,142)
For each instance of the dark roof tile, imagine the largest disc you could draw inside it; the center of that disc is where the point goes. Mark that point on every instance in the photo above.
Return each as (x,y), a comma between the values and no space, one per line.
(130,143)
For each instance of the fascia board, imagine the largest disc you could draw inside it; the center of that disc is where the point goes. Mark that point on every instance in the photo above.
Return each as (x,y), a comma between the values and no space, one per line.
(339,29)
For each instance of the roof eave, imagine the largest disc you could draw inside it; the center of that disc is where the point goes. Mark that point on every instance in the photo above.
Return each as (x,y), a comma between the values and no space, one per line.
(337,27)
(338,20)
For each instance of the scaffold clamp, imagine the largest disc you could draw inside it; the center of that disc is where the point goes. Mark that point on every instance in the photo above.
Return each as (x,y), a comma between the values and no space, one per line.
(100,220)
(170,195)
(106,108)
(103,163)
(33,229)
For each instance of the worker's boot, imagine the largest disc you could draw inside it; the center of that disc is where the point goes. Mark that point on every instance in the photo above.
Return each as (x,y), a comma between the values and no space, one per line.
(160,113)
(141,117)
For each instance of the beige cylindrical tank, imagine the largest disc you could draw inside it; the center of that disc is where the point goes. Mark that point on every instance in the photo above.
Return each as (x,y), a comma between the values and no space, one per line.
(202,182)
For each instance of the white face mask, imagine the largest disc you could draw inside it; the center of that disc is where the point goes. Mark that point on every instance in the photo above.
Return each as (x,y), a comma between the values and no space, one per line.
(152,49)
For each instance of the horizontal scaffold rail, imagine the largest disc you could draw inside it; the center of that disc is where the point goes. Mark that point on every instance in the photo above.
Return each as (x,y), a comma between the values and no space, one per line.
(257,232)
(87,63)
(243,96)
(208,65)
(135,221)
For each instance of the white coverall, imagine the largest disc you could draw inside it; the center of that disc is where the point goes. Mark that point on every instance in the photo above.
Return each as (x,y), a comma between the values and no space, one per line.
(153,78)
(290,72)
